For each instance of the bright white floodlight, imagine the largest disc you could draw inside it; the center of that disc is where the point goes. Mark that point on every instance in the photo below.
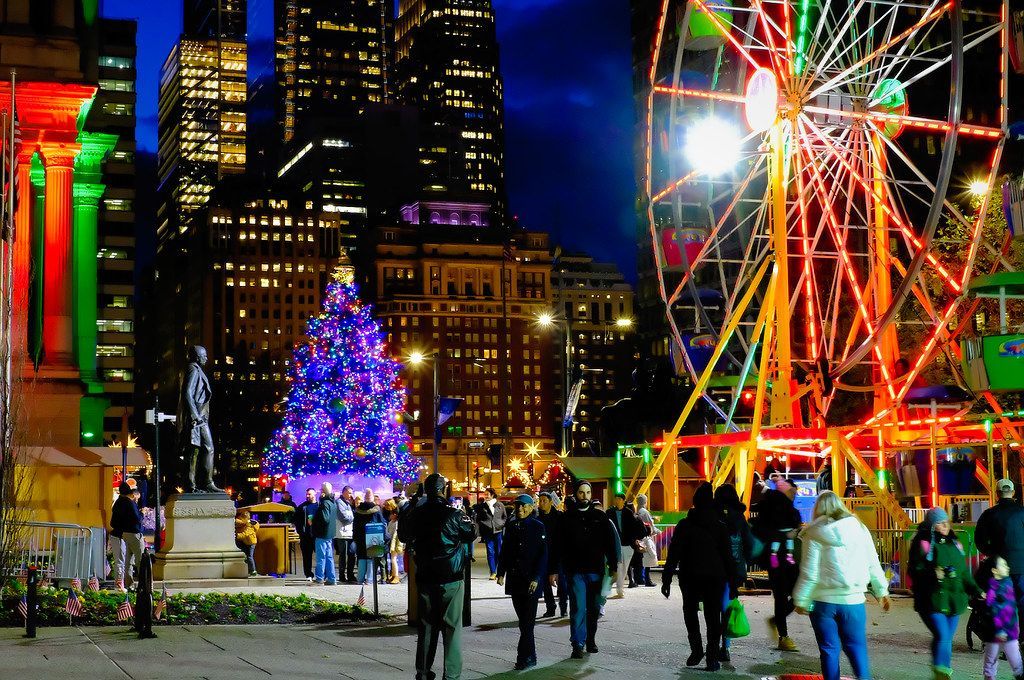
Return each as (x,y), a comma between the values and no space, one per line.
(712,146)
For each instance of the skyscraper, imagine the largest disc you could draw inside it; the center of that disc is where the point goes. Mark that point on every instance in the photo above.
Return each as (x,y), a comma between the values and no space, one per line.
(329,59)
(215,19)
(446,64)
(201,123)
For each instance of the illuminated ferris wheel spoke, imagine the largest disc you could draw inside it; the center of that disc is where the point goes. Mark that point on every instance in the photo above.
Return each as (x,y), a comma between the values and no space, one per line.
(700,94)
(724,30)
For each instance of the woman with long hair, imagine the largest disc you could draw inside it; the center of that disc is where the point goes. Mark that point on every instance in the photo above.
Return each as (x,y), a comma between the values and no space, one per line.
(838,564)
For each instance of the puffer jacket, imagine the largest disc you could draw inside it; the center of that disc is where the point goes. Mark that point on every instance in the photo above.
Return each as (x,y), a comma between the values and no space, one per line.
(245,531)
(439,537)
(839,564)
(345,519)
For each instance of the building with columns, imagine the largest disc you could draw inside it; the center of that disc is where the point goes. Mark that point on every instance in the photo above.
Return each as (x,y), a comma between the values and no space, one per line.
(61,181)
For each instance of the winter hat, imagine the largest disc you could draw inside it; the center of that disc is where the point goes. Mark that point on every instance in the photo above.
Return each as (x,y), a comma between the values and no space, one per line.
(434,486)
(704,496)
(931,518)
(546,494)
(524,499)
(641,501)
(124,489)
(582,484)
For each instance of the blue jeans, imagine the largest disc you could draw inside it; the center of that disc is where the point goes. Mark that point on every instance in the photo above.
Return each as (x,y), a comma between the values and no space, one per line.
(584,596)
(841,627)
(325,560)
(493,545)
(366,571)
(942,628)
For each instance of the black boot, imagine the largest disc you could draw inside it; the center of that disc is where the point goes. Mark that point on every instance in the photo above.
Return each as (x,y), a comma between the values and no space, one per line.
(696,656)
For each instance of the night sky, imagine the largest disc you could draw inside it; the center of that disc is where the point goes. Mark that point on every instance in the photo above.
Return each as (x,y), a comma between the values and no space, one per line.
(568,112)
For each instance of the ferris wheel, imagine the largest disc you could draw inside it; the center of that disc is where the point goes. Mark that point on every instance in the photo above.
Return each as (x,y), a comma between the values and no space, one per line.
(808,165)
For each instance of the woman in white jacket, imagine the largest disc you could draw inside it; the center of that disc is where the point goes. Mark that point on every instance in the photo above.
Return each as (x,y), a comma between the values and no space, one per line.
(839,564)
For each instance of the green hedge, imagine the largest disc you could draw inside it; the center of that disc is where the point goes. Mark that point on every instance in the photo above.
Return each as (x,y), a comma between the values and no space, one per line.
(192,608)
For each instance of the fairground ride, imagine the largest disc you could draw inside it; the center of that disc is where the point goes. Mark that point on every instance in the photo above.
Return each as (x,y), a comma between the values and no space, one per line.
(804,162)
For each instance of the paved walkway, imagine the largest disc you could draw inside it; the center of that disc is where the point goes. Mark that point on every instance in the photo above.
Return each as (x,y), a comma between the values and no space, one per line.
(641,637)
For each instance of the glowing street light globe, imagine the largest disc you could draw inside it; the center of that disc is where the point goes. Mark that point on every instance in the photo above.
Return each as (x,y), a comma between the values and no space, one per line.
(545,319)
(712,146)
(416,358)
(978,188)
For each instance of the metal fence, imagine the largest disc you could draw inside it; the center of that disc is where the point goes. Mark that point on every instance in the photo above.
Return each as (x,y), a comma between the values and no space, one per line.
(61,551)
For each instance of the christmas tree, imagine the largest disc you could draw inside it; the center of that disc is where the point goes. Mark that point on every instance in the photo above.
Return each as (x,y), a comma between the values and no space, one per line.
(344,409)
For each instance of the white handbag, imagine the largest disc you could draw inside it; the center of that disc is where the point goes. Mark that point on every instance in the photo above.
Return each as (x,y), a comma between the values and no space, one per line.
(650,558)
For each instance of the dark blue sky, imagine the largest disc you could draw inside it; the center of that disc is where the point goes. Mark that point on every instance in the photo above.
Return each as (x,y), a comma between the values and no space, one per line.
(568,113)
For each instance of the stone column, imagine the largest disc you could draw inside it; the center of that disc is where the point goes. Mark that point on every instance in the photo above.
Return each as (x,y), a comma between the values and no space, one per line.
(22,255)
(58,161)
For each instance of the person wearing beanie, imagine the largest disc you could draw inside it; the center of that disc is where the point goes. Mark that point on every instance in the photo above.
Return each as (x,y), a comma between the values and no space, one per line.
(521,569)
(586,551)
(1000,532)
(551,517)
(126,532)
(440,540)
(942,585)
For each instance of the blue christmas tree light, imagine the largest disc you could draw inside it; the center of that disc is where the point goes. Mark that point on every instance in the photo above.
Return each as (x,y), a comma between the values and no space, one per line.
(344,409)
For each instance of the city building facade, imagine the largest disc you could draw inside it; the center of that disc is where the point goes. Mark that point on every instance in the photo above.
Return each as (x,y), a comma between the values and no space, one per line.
(438,292)
(593,304)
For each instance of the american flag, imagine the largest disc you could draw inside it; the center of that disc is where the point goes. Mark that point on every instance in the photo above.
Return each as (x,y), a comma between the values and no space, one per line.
(94,584)
(76,584)
(161,605)
(74,606)
(23,607)
(125,611)
(361,602)
(119,584)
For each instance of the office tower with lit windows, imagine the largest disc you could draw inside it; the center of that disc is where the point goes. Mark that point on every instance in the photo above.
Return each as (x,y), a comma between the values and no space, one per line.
(446,65)
(329,59)
(215,19)
(593,304)
(202,127)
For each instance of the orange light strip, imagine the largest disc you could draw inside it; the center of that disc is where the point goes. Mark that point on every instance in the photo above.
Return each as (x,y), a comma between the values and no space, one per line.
(848,269)
(702,6)
(893,215)
(933,338)
(773,49)
(704,94)
(944,420)
(909,121)
(656,46)
(809,324)
(675,185)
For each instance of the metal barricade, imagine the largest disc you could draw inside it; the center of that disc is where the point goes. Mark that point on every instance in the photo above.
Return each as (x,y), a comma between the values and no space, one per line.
(61,551)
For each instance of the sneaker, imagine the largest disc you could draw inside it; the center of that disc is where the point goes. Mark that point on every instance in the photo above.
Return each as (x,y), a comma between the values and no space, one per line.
(577,652)
(330,583)
(695,658)
(592,648)
(548,613)
(309,579)
(254,573)
(318,581)
(493,577)
(713,667)
(786,644)
(523,665)
(617,596)
(650,584)
(633,585)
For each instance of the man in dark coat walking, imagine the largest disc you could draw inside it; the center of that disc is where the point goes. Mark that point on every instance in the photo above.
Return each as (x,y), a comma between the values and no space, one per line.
(524,561)
(586,551)
(126,526)
(491,517)
(439,538)
(778,521)
(551,517)
(630,531)
(1000,532)
(303,520)
(701,551)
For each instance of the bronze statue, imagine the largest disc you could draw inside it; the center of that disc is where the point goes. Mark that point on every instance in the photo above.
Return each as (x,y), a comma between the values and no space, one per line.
(194,435)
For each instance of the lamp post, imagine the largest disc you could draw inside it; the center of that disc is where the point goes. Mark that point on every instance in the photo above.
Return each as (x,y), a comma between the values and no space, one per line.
(415,359)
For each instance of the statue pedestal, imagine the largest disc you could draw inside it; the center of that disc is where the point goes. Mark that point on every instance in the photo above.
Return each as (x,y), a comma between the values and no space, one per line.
(200,540)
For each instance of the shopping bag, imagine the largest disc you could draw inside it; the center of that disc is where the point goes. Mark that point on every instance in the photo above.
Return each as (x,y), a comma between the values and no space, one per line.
(736,624)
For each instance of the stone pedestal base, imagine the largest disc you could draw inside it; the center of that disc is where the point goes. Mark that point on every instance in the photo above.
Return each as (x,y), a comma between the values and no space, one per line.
(200,540)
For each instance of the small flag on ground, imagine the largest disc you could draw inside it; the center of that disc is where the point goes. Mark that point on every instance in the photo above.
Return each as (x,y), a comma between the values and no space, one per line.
(73,606)
(361,602)
(119,584)
(76,584)
(94,584)
(125,611)
(23,607)
(161,605)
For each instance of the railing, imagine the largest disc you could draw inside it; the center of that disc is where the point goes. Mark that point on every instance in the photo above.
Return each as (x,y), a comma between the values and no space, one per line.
(60,551)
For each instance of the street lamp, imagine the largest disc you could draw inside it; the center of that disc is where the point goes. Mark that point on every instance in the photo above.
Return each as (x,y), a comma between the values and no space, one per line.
(713,146)
(624,323)
(417,358)
(978,188)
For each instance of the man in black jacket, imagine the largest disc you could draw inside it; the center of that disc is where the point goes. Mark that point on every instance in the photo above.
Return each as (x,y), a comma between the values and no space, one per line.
(304,526)
(490,517)
(585,552)
(126,526)
(440,539)
(777,521)
(524,561)
(324,526)
(630,531)
(551,517)
(1000,531)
